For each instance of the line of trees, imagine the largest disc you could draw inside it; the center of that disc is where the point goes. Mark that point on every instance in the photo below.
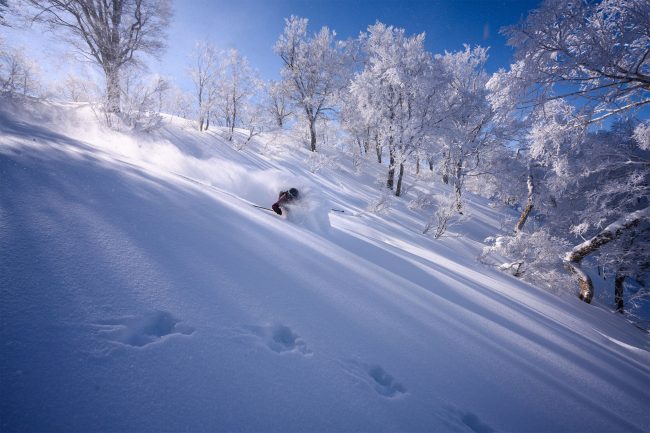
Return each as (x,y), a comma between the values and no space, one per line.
(224,87)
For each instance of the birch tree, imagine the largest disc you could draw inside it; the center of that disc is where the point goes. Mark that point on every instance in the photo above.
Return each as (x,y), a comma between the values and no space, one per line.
(591,190)
(19,74)
(204,72)
(610,206)
(277,103)
(315,70)
(599,52)
(237,83)
(110,33)
(610,233)
(395,95)
(594,58)
(468,133)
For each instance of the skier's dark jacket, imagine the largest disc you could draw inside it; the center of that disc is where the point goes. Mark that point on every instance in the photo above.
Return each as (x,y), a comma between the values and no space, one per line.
(284,198)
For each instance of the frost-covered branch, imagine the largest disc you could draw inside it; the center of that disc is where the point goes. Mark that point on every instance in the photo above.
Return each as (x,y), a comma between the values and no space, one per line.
(597,51)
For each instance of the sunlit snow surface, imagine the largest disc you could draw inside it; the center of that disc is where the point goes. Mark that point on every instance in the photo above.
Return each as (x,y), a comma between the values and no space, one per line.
(142,292)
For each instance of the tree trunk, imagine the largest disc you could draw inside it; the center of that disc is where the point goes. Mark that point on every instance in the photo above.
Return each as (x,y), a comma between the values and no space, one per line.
(207,121)
(234,118)
(458,186)
(378,149)
(445,168)
(391,170)
(312,135)
(573,258)
(112,89)
(366,142)
(398,189)
(618,292)
(200,108)
(417,165)
(234,110)
(529,205)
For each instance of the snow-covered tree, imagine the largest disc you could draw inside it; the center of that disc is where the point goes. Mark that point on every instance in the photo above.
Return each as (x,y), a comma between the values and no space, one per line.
(204,72)
(237,83)
(361,129)
(394,96)
(19,74)
(598,51)
(534,257)
(642,135)
(179,102)
(277,102)
(540,176)
(109,33)
(142,99)
(253,120)
(466,134)
(77,87)
(610,201)
(589,189)
(551,141)
(315,69)
(579,63)
(512,173)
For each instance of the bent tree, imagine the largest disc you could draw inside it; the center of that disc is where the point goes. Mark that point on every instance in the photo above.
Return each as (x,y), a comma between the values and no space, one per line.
(608,234)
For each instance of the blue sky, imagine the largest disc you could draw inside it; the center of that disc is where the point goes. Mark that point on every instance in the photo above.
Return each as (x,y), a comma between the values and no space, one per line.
(253,26)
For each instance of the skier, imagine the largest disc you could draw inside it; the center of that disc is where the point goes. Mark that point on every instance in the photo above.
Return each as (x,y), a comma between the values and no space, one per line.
(284,198)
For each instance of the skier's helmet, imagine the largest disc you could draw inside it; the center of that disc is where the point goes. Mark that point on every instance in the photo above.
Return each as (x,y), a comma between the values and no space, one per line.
(293,192)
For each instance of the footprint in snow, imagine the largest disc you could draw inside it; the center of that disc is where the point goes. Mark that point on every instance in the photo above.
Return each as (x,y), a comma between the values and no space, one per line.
(463,421)
(376,377)
(139,331)
(279,338)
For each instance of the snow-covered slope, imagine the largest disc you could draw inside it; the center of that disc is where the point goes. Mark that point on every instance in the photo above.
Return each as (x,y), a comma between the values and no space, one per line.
(142,292)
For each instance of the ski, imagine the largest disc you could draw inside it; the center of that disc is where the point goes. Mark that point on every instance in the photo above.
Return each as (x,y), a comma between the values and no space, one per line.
(262,207)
